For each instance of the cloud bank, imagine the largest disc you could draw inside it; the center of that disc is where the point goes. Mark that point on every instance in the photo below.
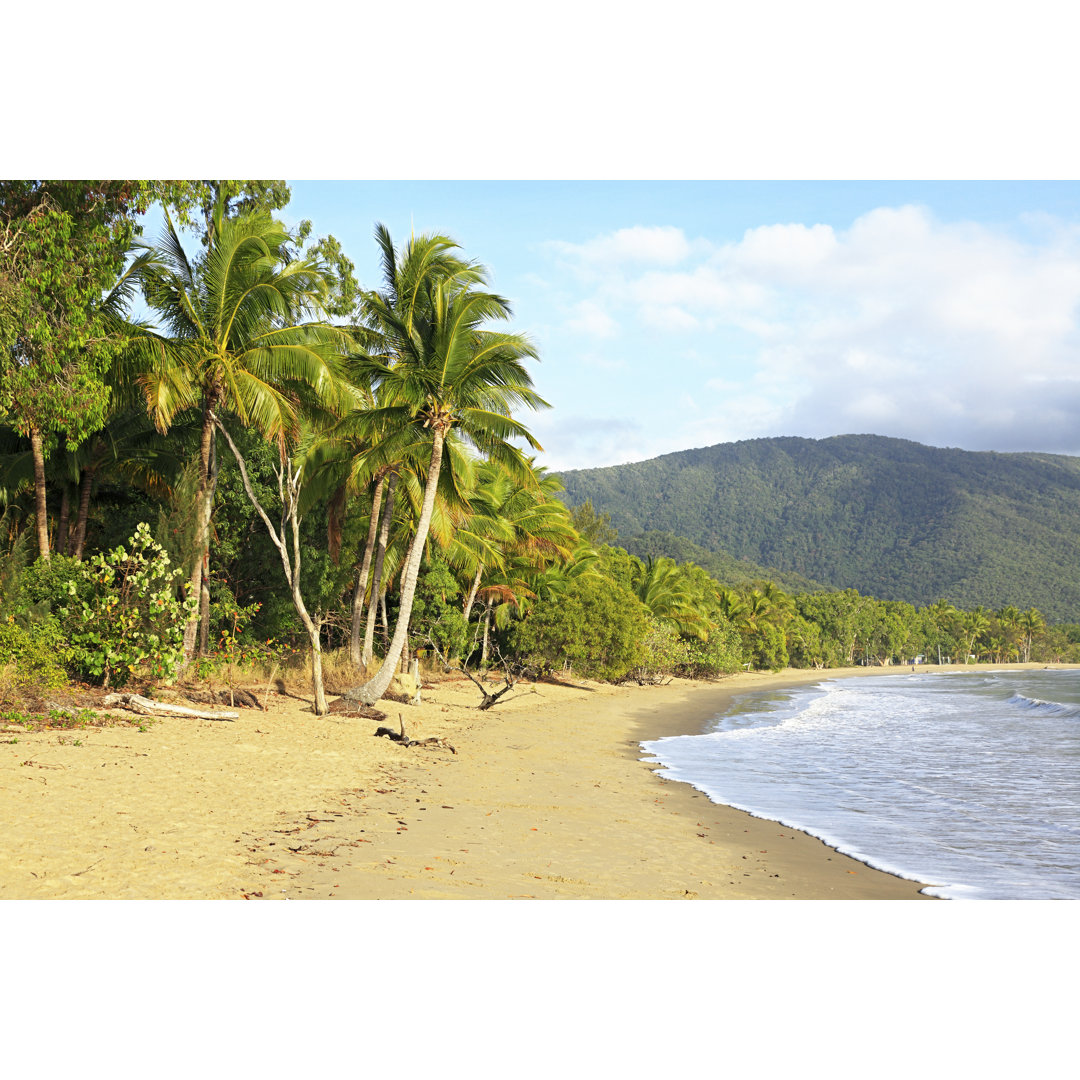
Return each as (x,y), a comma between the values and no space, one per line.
(953,334)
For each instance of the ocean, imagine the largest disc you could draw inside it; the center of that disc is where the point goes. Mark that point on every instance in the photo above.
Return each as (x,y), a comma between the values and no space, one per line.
(968,781)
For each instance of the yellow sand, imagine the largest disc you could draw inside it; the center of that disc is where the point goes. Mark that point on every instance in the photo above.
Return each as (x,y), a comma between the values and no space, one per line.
(547,797)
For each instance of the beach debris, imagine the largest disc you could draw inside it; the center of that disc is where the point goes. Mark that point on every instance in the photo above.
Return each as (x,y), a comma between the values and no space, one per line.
(401,737)
(147,707)
(232,698)
(345,706)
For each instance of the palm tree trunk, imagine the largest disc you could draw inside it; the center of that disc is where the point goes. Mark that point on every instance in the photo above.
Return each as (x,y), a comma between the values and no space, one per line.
(355,652)
(377,573)
(41,521)
(473,591)
(374,688)
(86,484)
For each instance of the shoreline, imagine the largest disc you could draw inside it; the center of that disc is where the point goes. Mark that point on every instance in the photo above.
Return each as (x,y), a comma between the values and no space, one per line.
(547,796)
(803,857)
(752,858)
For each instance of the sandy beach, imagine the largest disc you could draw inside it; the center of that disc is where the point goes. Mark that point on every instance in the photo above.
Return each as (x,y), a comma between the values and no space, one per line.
(544,796)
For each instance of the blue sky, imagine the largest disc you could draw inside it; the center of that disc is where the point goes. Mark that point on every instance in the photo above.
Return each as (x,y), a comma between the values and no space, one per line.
(677,314)
(699,306)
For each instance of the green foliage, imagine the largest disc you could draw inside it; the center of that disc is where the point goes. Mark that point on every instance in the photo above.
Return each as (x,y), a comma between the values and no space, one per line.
(718,564)
(62,247)
(595,529)
(436,613)
(131,620)
(721,654)
(596,627)
(37,653)
(888,517)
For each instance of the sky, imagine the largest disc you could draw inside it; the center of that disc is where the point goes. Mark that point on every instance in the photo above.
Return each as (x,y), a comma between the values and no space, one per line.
(679,314)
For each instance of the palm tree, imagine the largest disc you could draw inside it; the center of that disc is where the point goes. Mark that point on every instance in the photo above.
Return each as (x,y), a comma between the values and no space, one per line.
(235,341)
(975,624)
(1031,624)
(665,592)
(442,369)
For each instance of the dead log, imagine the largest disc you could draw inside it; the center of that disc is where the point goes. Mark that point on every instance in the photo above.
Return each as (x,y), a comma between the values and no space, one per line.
(146,707)
(232,698)
(401,737)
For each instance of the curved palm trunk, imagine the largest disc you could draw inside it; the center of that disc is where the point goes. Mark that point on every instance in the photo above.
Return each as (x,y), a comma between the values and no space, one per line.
(473,591)
(355,653)
(374,688)
(376,576)
(41,521)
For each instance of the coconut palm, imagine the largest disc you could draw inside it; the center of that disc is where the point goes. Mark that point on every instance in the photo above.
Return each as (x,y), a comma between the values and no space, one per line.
(974,624)
(665,591)
(442,369)
(238,337)
(1031,624)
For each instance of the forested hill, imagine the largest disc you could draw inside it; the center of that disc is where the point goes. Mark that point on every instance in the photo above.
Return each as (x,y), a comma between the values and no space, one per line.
(891,518)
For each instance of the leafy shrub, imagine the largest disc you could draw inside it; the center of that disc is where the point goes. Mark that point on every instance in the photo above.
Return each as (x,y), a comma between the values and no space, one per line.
(436,617)
(665,651)
(595,626)
(720,655)
(123,615)
(35,654)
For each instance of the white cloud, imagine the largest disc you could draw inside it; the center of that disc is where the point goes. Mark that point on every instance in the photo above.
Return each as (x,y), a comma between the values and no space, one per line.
(950,333)
(668,317)
(590,318)
(663,244)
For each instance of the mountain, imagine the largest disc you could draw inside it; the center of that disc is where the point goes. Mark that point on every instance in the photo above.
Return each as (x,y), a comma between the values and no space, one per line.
(894,519)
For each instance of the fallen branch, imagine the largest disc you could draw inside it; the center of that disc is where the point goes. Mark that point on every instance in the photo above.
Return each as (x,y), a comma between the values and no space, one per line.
(489,699)
(401,737)
(233,698)
(146,707)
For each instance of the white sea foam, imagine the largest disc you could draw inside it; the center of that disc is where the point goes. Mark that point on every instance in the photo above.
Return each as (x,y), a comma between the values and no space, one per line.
(939,780)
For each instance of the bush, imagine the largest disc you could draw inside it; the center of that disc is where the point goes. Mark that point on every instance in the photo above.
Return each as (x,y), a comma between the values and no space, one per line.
(436,617)
(122,614)
(33,656)
(594,625)
(665,651)
(720,655)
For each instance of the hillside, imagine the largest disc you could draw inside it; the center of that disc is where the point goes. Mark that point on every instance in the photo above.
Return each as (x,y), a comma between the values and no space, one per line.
(891,518)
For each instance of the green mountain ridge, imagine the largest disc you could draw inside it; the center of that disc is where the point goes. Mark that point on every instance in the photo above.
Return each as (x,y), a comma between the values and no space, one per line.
(892,518)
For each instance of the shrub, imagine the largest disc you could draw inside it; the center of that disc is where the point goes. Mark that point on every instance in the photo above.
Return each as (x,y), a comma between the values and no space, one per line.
(123,615)
(594,625)
(720,655)
(31,656)
(665,651)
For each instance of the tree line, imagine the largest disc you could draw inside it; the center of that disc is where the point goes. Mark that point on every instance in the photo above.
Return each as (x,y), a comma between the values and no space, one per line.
(217,444)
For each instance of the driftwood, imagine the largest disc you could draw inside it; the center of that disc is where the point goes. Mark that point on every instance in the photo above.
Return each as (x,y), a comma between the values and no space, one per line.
(401,737)
(146,707)
(489,699)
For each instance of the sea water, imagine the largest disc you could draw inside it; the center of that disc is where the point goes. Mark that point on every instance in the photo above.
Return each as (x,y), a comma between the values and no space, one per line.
(969,782)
